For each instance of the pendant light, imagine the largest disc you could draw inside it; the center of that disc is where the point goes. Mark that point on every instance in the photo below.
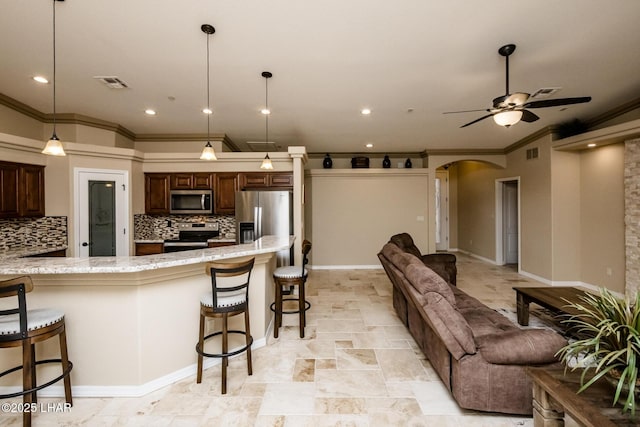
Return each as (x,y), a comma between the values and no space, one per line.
(207,152)
(266,163)
(54,146)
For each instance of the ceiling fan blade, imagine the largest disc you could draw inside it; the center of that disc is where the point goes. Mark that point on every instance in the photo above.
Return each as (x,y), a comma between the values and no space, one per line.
(556,102)
(464,111)
(528,116)
(476,120)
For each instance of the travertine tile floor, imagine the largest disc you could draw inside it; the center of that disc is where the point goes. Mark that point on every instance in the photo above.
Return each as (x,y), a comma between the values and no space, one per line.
(356,366)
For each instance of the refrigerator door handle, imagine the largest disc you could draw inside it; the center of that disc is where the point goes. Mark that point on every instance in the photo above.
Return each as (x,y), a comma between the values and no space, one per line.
(259,220)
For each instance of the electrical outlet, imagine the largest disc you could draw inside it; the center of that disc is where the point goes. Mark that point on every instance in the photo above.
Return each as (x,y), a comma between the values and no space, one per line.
(609,271)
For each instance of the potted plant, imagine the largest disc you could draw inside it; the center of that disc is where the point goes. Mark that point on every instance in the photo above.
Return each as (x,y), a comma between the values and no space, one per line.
(608,329)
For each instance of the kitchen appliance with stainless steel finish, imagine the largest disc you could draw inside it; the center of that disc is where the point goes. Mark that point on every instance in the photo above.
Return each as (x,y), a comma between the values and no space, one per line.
(264,213)
(191,202)
(192,235)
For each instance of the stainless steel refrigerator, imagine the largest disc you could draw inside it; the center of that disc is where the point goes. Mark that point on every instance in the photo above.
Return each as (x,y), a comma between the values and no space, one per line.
(263,213)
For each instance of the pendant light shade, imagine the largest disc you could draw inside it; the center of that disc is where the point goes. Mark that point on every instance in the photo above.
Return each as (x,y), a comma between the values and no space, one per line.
(208,153)
(507,118)
(266,163)
(54,146)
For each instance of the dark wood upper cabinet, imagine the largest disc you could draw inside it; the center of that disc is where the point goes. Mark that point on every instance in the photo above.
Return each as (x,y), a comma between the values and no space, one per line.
(192,181)
(21,190)
(284,179)
(9,179)
(32,194)
(266,180)
(156,193)
(225,192)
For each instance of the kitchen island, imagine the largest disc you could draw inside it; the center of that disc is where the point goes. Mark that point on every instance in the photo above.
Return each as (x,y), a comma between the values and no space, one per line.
(132,322)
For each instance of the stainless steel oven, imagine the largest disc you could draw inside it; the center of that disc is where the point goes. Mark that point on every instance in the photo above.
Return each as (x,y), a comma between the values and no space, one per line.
(192,235)
(191,202)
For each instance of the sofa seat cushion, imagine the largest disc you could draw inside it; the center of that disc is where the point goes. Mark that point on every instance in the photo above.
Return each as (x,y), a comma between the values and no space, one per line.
(453,321)
(521,347)
(485,321)
(425,280)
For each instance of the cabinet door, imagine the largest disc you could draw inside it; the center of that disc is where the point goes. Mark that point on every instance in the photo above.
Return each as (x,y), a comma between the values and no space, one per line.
(149,248)
(181,181)
(257,180)
(284,180)
(31,190)
(202,181)
(9,179)
(156,193)
(225,193)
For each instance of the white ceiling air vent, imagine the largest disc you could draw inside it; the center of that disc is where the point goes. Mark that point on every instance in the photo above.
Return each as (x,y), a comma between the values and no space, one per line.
(112,82)
(262,146)
(544,92)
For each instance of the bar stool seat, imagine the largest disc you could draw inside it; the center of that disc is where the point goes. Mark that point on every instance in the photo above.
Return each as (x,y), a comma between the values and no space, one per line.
(229,296)
(291,276)
(20,327)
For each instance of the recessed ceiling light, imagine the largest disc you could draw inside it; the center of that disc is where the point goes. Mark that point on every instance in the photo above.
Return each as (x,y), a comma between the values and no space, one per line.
(591,145)
(150,112)
(41,79)
(265,111)
(365,111)
(207,111)
(369,145)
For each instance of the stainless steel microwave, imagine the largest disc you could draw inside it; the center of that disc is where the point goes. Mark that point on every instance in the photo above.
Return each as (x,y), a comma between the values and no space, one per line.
(191,202)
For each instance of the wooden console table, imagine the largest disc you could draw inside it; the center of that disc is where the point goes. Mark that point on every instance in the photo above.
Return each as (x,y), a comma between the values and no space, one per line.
(555,396)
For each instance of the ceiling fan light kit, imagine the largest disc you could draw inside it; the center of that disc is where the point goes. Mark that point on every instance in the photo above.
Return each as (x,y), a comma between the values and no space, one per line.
(511,108)
(507,118)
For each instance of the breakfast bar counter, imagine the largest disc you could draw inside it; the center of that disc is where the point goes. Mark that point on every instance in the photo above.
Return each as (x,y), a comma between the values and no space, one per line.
(132,322)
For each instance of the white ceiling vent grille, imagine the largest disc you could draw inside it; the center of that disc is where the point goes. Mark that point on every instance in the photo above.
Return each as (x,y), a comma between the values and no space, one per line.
(545,92)
(262,146)
(112,82)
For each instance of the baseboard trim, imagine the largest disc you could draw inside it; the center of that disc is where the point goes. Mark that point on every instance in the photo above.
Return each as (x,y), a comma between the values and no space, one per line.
(132,390)
(574,283)
(471,254)
(345,267)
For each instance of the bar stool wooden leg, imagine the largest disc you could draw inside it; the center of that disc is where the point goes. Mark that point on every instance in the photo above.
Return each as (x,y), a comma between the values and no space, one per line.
(225,349)
(27,380)
(248,341)
(301,309)
(278,319)
(201,346)
(65,365)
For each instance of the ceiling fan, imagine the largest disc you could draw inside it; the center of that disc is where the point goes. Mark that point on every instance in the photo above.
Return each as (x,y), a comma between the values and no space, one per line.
(510,108)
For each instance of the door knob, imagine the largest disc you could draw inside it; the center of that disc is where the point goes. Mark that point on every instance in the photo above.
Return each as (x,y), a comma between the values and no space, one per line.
(85,244)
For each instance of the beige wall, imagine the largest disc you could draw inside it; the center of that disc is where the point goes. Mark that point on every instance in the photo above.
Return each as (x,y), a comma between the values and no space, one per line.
(602,213)
(453,206)
(14,123)
(352,214)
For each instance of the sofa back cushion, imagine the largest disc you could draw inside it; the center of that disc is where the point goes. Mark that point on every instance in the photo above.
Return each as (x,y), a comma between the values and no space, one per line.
(424,280)
(455,323)
(405,242)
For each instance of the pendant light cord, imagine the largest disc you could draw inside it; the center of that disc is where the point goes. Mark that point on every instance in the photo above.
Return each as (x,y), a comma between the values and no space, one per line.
(266,105)
(209,112)
(54,67)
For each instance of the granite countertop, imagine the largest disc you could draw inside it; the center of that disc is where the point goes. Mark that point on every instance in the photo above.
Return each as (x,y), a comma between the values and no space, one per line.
(134,264)
(28,251)
(157,239)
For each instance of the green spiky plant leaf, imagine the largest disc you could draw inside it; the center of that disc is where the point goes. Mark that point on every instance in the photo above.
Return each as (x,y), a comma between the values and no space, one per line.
(609,344)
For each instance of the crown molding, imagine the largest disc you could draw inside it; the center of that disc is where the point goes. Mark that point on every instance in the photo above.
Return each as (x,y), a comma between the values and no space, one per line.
(613,113)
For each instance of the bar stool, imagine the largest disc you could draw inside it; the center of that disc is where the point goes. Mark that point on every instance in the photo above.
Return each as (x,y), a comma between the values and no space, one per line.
(229,296)
(24,328)
(292,276)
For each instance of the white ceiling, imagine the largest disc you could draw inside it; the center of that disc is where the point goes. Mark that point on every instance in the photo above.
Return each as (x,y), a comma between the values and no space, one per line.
(329,59)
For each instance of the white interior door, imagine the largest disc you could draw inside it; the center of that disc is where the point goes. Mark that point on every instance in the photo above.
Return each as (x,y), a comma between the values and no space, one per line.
(442,210)
(102,212)
(510,221)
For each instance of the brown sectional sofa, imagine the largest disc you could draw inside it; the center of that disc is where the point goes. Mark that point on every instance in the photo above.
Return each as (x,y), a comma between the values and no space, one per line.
(479,354)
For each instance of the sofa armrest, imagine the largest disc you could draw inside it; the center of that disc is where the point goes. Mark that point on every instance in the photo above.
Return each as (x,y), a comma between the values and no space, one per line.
(521,347)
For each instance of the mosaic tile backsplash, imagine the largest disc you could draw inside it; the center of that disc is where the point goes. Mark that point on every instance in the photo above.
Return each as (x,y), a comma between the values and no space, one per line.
(147,227)
(21,233)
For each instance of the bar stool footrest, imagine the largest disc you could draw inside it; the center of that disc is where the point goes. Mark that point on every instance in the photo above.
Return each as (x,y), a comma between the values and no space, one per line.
(65,373)
(233,353)
(307,306)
